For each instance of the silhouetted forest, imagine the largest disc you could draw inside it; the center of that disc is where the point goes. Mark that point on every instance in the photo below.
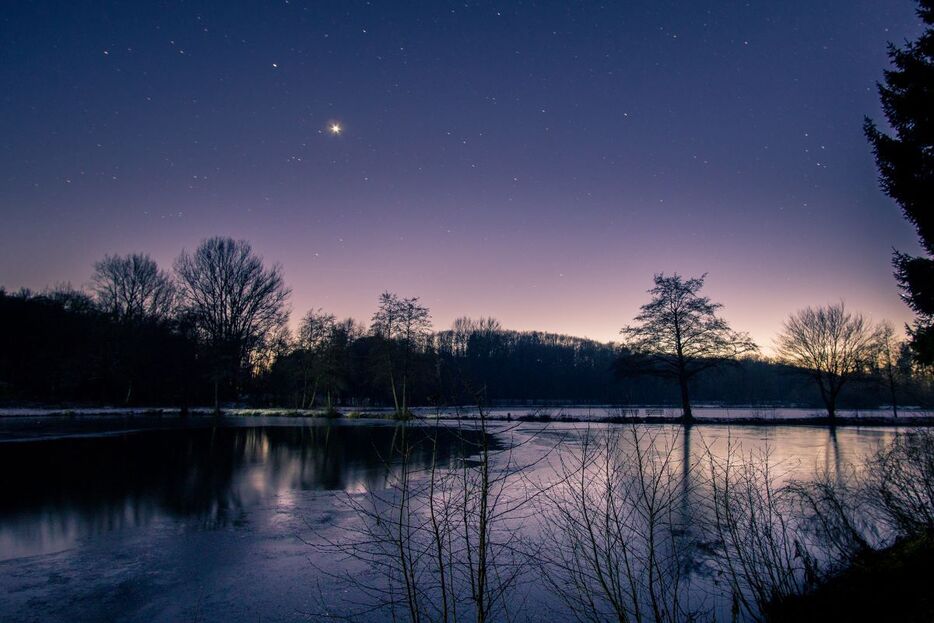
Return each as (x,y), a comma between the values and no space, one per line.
(64,347)
(60,347)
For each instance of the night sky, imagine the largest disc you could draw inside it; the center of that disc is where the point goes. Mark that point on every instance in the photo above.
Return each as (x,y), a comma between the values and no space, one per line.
(535,162)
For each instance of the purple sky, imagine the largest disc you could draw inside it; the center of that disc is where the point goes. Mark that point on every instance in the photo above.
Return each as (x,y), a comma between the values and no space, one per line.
(528,161)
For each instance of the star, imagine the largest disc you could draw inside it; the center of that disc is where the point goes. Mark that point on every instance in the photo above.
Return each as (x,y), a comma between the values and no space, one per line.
(335,128)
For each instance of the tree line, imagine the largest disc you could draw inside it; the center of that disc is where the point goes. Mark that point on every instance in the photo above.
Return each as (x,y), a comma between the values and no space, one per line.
(215,330)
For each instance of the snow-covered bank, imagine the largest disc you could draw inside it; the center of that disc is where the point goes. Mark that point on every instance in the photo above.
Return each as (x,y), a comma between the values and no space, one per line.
(566,413)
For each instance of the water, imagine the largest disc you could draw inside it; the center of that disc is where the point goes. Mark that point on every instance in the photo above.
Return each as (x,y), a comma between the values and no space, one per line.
(102,476)
(147,519)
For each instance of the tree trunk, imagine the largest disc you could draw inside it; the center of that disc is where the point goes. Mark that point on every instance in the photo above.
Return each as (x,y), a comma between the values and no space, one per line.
(829,395)
(404,405)
(395,396)
(314,395)
(686,415)
(892,390)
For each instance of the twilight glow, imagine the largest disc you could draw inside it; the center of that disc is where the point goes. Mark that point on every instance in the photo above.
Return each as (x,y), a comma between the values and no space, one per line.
(536,163)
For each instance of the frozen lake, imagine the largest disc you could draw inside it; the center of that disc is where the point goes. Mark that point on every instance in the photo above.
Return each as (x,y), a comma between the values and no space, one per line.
(163,519)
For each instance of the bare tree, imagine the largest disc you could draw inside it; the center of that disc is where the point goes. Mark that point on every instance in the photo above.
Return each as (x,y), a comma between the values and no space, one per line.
(466,332)
(830,345)
(313,335)
(461,330)
(679,335)
(277,345)
(332,363)
(133,291)
(889,348)
(132,288)
(405,326)
(234,300)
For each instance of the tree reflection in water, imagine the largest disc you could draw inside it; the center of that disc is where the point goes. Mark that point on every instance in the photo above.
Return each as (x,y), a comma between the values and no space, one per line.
(60,490)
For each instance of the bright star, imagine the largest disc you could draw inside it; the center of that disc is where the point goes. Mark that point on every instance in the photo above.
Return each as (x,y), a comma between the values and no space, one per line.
(335,128)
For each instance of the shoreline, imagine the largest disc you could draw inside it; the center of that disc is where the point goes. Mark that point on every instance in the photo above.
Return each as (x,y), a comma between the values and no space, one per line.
(908,420)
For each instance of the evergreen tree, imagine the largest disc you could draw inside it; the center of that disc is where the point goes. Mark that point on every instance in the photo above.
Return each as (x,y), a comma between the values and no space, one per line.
(905,161)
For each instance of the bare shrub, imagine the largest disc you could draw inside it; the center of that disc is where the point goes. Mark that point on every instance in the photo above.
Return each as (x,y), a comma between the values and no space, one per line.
(437,545)
(899,483)
(751,521)
(780,540)
(833,519)
(618,518)
(610,528)
(866,507)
